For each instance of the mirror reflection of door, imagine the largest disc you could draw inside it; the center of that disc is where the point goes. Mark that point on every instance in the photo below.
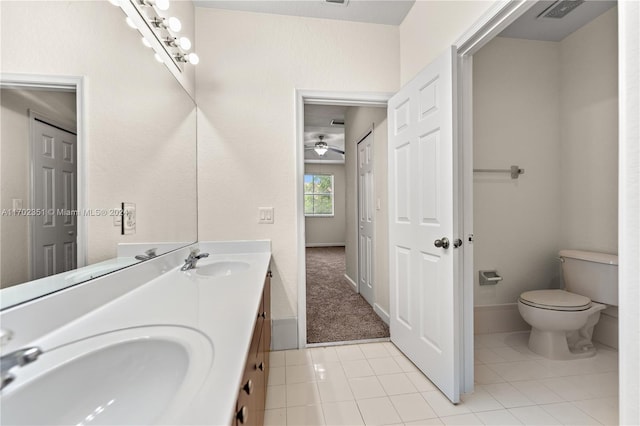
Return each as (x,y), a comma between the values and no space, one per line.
(23,190)
(53,188)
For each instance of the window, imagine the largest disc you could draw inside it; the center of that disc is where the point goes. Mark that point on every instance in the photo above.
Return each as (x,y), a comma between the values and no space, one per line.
(318,195)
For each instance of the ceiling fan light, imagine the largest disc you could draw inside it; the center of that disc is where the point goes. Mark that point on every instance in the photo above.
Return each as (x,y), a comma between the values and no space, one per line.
(320,150)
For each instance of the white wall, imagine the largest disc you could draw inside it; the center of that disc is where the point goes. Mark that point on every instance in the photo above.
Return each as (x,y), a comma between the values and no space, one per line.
(325,231)
(516,104)
(589,136)
(140,123)
(358,120)
(14,144)
(430,27)
(250,66)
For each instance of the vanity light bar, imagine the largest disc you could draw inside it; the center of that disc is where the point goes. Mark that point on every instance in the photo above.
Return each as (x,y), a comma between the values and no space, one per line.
(163,29)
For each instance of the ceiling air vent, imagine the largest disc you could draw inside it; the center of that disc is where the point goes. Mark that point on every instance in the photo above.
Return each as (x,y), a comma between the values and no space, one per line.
(342,2)
(560,9)
(337,122)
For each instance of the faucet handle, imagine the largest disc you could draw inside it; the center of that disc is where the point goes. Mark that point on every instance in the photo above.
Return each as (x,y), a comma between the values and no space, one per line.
(194,251)
(151,252)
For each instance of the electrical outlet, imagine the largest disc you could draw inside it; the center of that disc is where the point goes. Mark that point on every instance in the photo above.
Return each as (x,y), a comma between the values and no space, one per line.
(265,214)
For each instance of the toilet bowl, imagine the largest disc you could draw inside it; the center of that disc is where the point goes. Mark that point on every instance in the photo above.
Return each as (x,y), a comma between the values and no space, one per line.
(562,321)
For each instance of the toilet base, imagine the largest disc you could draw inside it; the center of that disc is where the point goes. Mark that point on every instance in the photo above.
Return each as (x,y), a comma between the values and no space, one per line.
(554,345)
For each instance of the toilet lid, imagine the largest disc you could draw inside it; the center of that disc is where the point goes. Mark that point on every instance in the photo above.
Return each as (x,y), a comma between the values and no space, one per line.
(559,300)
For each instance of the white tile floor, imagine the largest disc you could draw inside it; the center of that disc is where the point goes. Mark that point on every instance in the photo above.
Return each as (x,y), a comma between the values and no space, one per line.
(374,384)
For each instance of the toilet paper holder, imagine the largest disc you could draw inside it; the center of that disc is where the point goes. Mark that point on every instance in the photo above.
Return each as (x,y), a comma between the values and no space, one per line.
(489,277)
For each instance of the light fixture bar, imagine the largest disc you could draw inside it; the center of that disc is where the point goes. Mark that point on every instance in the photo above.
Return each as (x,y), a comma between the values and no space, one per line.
(160,32)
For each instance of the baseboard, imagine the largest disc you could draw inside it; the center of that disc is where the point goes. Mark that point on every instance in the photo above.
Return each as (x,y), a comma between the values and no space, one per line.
(498,319)
(284,333)
(325,245)
(351,282)
(384,315)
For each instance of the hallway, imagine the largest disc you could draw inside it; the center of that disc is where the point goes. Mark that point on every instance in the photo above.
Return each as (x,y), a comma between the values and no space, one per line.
(335,312)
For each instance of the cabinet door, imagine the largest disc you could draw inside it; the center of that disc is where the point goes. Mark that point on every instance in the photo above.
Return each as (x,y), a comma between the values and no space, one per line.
(266,331)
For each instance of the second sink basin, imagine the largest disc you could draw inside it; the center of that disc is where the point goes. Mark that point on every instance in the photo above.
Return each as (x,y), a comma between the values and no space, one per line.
(222,268)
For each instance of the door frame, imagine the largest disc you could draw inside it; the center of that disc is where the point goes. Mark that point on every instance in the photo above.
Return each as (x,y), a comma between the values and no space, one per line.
(77,84)
(316,97)
(495,19)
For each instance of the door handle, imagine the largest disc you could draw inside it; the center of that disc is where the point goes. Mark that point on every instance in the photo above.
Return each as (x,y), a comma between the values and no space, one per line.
(442,243)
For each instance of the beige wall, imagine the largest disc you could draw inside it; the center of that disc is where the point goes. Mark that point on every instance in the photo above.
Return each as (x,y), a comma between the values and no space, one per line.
(551,108)
(358,120)
(14,144)
(325,231)
(516,104)
(589,135)
(139,122)
(250,66)
(432,26)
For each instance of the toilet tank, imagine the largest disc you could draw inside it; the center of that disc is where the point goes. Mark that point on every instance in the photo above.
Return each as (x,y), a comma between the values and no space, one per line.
(591,274)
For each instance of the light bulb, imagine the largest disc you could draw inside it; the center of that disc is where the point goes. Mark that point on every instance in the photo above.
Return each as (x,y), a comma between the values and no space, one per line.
(146,42)
(184,43)
(193,59)
(162,4)
(131,23)
(174,24)
(158,57)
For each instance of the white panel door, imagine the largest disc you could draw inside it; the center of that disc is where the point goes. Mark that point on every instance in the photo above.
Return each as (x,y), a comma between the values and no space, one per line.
(54,187)
(365,218)
(424,303)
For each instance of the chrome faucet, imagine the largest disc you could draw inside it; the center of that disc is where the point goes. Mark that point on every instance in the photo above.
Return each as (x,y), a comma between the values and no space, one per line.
(149,254)
(18,358)
(190,262)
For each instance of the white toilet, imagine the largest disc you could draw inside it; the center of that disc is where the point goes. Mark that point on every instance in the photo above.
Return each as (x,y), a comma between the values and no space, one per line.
(562,321)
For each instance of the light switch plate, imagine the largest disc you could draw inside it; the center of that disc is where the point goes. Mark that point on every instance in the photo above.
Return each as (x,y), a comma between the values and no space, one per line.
(265,214)
(128,218)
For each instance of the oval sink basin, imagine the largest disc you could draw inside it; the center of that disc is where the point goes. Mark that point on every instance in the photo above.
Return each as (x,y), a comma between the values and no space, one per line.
(135,376)
(222,269)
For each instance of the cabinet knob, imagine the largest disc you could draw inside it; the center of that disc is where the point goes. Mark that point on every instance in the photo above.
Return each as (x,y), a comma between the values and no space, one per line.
(242,415)
(248,387)
(261,366)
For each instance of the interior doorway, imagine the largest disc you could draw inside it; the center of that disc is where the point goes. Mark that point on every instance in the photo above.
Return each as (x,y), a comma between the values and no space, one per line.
(53,196)
(335,310)
(29,101)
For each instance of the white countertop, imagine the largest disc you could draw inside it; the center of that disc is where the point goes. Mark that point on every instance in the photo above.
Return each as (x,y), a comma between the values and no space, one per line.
(222,308)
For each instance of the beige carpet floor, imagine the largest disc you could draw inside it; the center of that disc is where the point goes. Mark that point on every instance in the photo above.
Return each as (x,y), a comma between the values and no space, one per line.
(335,312)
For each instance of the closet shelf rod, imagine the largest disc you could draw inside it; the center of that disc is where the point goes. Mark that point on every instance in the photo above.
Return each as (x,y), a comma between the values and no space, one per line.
(514,170)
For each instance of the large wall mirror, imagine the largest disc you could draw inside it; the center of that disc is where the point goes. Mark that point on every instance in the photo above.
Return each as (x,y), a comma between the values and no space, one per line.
(89,120)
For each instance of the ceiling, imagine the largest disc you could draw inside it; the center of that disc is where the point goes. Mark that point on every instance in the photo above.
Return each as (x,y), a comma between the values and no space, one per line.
(317,121)
(529,27)
(390,12)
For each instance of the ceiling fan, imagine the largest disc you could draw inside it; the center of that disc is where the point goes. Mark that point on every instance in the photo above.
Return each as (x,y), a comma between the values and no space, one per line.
(321,147)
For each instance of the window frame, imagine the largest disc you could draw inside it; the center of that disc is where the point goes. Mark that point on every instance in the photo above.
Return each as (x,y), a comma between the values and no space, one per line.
(331,194)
